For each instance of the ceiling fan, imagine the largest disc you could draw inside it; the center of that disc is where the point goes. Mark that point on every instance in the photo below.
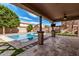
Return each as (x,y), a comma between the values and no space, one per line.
(65,16)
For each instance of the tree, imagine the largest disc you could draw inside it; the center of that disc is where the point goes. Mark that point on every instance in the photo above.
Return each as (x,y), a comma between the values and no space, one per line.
(29,27)
(8,19)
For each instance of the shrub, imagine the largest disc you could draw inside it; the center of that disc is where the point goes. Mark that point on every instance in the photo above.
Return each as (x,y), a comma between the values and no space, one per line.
(29,27)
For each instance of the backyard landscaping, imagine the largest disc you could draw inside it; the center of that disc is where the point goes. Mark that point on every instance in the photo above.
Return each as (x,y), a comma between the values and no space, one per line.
(7,49)
(66,34)
(8,20)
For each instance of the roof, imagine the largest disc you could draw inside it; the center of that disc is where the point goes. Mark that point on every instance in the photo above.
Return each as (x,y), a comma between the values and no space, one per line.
(53,11)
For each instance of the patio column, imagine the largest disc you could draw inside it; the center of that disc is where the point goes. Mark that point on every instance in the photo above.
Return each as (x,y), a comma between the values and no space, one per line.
(40,32)
(53,31)
(78,30)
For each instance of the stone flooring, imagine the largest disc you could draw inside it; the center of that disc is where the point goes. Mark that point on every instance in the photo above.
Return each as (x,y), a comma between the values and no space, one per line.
(58,46)
(6,49)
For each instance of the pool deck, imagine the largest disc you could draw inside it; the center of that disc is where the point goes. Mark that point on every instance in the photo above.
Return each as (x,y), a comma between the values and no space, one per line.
(19,43)
(58,46)
(16,44)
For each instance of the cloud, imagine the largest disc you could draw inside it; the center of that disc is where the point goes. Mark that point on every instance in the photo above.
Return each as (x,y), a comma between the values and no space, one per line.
(29,22)
(25,18)
(32,14)
(34,22)
(9,5)
(38,23)
(22,21)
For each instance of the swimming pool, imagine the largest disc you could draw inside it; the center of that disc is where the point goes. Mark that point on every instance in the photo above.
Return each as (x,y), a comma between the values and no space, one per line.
(27,36)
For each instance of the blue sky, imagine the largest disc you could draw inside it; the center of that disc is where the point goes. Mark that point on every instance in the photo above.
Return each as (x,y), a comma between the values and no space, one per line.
(26,16)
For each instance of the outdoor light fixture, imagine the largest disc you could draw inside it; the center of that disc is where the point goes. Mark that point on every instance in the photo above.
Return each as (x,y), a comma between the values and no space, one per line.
(65,17)
(52,25)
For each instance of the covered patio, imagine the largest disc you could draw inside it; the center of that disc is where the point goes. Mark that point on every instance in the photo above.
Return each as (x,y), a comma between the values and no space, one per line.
(54,12)
(53,45)
(58,46)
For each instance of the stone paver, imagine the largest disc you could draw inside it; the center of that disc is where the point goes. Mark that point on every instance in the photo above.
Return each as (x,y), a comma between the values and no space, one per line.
(7,53)
(59,46)
(4,47)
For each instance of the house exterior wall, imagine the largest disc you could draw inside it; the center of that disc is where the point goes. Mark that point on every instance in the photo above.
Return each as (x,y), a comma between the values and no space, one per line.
(70,26)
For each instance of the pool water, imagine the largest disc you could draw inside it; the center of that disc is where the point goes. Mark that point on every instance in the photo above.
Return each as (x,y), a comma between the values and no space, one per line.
(29,36)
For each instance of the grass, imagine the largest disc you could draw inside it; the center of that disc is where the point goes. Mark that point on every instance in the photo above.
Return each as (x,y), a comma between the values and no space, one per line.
(17,51)
(6,44)
(66,34)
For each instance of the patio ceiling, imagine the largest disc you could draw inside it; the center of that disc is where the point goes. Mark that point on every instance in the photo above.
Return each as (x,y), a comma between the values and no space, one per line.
(53,11)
